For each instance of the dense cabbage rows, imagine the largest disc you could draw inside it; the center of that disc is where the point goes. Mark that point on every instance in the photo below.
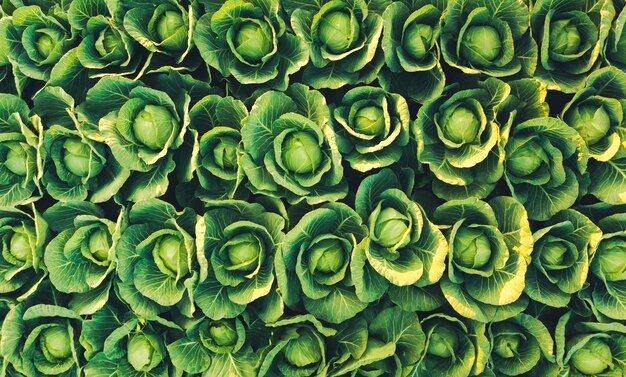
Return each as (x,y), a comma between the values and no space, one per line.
(313,188)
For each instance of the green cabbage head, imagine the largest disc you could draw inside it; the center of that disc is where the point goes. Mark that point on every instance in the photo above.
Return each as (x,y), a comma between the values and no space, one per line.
(384,340)
(41,339)
(544,162)
(450,348)
(410,43)
(240,241)
(608,268)
(460,138)
(478,37)
(36,41)
(372,127)
(342,38)
(23,234)
(78,168)
(20,152)
(300,349)
(571,36)
(313,266)
(221,343)
(157,259)
(248,40)
(161,27)
(105,45)
(217,123)
(81,258)
(297,158)
(597,113)
(142,127)
(403,252)
(490,246)
(125,345)
(590,348)
(561,258)
(521,344)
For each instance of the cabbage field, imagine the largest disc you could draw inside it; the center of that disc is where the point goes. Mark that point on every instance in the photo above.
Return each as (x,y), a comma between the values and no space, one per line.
(313,188)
